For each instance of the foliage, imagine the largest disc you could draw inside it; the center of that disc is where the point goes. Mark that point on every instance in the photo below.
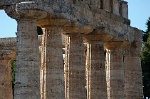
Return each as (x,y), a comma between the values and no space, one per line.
(145,58)
(146,33)
(13,64)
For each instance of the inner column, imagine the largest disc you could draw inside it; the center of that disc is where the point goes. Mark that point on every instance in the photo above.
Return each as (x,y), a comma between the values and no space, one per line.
(95,71)
(133,73)
(54,68)
(75,67)
(115,71)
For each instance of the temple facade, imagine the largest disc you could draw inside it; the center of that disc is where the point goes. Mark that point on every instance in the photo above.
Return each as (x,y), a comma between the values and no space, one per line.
(88,50)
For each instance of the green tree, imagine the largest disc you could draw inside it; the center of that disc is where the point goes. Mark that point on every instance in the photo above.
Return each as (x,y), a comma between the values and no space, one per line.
(13,65)
(145,58)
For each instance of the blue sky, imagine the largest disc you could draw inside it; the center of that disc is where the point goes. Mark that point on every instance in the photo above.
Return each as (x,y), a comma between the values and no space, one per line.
(139,11)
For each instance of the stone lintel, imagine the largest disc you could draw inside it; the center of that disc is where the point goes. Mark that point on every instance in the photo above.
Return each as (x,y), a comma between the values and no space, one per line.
(88,18)
(76,27)
(25,10)
(7,55)
(49,22)
(8,43)
(98,35)
(118,26)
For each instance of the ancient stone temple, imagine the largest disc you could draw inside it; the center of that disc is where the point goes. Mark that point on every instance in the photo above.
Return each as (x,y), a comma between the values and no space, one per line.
(88,50)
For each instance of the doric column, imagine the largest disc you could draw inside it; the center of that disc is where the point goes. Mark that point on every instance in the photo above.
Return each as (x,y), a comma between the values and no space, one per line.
(75,82)
(75,67)
(52,66)
(27,77)
(6,57)
(133,72)
(95,71)
(115,70)
(95,65)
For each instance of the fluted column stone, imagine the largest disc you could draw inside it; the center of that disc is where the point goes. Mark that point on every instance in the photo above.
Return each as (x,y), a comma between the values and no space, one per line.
(52,74)
(75,67)
(27,76)
(114,70)
(133,72)
(6,57)
(95,71)
(95,65)
(75,82)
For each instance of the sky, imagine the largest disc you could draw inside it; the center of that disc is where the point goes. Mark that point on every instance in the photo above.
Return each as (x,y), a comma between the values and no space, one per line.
(139,12)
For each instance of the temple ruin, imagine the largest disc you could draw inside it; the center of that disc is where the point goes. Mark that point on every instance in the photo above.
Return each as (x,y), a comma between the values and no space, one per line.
(102,51)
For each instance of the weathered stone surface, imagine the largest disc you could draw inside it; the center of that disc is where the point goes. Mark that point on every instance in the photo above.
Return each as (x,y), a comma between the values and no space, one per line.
(133,77)
(88,15)
(95,71)
(115,74)
(115,71)
(27,62)
(27,77)
(104,21)
(53,68)
(133,71)
(6,57)
(75,67)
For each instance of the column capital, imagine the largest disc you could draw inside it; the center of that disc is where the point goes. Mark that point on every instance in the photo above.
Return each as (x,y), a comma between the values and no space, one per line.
(97,35)
(25,10)
(111,45)
(52,22)
(73,28)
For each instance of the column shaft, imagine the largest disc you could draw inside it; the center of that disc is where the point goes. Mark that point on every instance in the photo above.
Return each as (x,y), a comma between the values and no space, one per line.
(54,68)
(75,67)
(95,71)
(6,77)
(133,77)
(27,84)
(115,74)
